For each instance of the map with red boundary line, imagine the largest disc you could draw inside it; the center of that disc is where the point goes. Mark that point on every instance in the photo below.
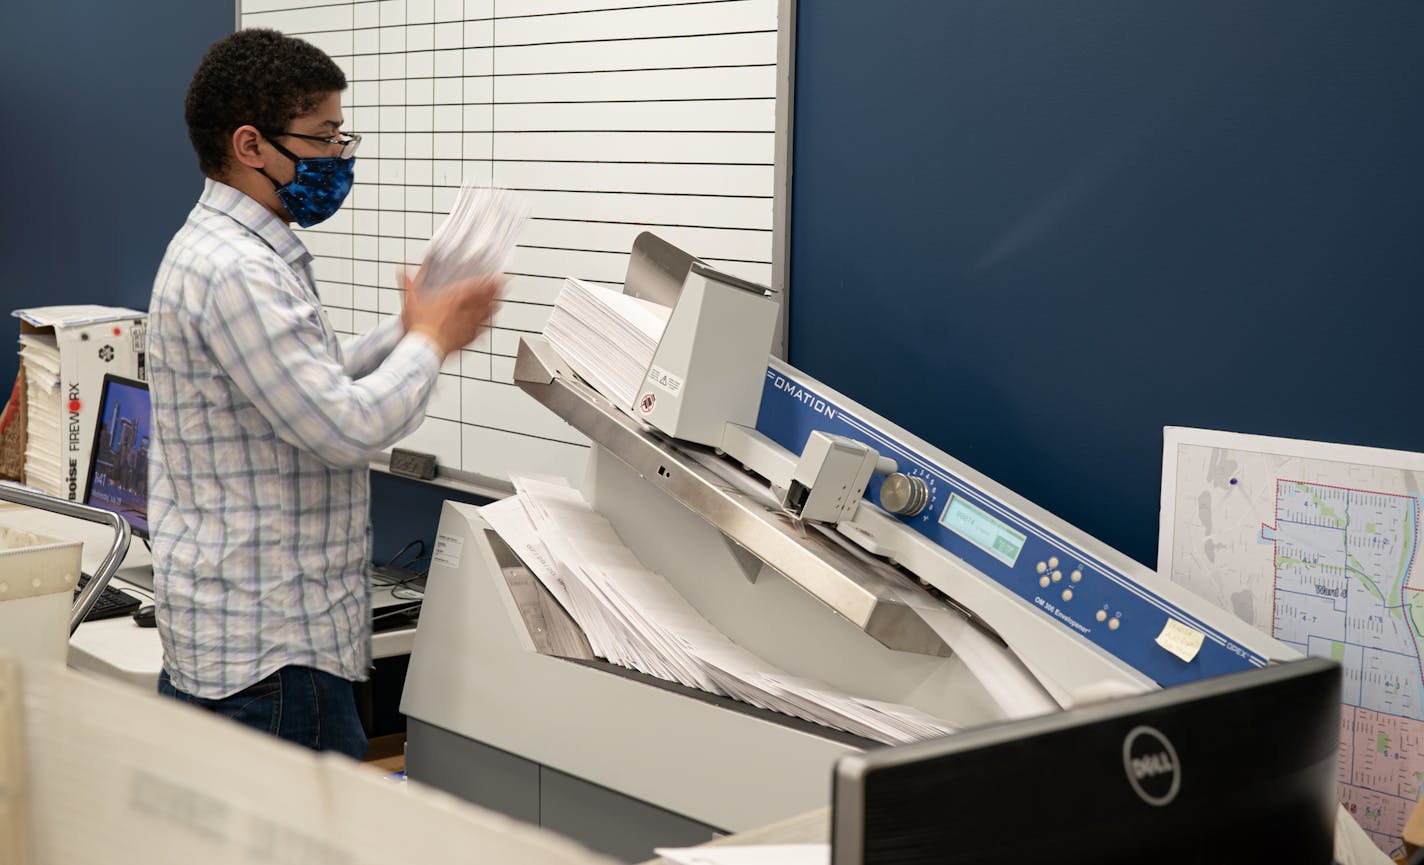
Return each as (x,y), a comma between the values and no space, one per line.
(1325,557)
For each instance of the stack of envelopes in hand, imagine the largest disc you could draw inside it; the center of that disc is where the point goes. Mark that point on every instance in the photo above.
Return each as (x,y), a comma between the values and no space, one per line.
(477,237)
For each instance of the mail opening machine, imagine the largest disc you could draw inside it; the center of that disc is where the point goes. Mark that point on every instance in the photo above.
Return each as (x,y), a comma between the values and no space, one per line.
(814,534)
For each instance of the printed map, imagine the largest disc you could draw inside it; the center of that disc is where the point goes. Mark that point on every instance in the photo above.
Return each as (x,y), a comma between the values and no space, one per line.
(1323,554)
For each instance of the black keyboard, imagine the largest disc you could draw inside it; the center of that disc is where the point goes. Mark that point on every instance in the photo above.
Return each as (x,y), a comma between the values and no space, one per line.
(112,603)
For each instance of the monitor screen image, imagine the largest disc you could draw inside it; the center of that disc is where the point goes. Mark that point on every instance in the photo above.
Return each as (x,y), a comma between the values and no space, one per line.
(1233,769)
(118,459)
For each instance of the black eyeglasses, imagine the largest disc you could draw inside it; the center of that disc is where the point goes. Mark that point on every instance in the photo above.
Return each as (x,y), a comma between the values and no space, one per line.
(348,142)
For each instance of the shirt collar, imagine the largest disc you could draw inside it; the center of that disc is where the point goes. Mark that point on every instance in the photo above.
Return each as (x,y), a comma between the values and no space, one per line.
(255,218)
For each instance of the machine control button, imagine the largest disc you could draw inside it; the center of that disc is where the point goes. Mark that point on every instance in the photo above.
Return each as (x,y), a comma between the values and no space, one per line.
(1041,567)
(1067,594)
(1102,615)
(1113,624)
(1057,575)
(1043,581)
(1076,576)
(1053,561)
(904,494)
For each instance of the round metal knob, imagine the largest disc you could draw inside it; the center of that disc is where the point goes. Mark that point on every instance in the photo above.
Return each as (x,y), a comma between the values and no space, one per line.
(904,494)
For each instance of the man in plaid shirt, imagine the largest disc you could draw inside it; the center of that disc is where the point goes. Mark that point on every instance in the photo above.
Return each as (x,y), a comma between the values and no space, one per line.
(264,422)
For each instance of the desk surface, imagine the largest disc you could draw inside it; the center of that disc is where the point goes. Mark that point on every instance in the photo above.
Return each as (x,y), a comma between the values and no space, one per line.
(118,648)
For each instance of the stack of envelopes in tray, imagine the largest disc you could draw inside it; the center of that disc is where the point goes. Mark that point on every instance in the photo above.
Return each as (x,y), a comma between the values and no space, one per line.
(635,618)
(608,337)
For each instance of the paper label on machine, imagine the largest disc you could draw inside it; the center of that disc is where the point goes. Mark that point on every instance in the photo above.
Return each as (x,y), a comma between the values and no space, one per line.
(662,378)
(447,551)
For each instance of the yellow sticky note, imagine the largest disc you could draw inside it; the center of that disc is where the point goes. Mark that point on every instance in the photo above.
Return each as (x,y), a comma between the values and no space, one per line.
(1181,640)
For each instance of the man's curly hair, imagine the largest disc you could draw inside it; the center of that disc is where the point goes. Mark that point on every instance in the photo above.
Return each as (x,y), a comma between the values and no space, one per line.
(257,77)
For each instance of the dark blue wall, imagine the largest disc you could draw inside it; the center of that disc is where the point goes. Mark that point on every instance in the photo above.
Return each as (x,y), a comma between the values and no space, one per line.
(94,154)
(1035,232)
(403,510)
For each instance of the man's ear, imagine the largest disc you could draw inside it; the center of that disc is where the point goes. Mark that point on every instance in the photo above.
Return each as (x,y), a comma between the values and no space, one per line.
(247,147)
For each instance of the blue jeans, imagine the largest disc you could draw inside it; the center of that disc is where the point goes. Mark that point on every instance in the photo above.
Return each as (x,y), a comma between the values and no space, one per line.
(299,704)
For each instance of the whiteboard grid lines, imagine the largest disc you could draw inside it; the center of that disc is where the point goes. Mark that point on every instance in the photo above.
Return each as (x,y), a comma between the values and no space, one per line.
(688,92)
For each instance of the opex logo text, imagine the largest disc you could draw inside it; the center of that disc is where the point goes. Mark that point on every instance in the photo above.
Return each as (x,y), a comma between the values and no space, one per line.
(1151,765)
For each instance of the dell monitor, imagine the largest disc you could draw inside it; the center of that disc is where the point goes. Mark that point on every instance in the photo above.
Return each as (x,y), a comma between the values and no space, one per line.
(118,456)
(1234,769)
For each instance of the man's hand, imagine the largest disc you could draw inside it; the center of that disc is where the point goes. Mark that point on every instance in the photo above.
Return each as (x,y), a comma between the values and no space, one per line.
(451,316)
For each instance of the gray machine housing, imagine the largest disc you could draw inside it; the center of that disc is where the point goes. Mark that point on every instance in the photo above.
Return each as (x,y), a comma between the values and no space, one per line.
(509,709)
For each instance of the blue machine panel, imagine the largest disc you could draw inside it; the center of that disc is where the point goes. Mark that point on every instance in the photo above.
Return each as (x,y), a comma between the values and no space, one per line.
(1068,585)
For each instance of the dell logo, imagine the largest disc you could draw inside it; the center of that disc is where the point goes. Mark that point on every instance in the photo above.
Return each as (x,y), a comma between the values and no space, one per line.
(1151,765)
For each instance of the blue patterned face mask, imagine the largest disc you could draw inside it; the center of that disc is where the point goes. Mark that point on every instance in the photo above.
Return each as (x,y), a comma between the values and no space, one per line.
(317,190)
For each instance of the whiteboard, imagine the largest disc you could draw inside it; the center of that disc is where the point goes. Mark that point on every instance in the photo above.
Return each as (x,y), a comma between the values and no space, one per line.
(611,116)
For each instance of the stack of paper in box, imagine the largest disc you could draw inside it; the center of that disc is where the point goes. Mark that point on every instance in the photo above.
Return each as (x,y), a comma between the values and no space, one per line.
(66,351)
(44,406)
(635,618)
(608,337)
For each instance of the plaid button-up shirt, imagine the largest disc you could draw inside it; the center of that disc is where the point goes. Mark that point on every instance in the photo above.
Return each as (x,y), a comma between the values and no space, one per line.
(264,424)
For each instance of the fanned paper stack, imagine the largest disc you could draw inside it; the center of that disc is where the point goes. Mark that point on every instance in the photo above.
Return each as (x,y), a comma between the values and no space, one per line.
(634,617)
(44,407)
(477,237)
(608,337)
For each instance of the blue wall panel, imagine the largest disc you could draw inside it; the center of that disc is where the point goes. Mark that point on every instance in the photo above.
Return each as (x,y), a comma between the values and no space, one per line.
(94,154)
(1036,232)
(405,510)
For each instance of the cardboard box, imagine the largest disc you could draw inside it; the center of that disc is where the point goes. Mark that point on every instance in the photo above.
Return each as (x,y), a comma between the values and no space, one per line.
(92,341)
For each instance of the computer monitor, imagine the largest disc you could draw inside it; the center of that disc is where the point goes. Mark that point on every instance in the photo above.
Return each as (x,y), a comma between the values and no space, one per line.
(118,457)
(1235,769)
